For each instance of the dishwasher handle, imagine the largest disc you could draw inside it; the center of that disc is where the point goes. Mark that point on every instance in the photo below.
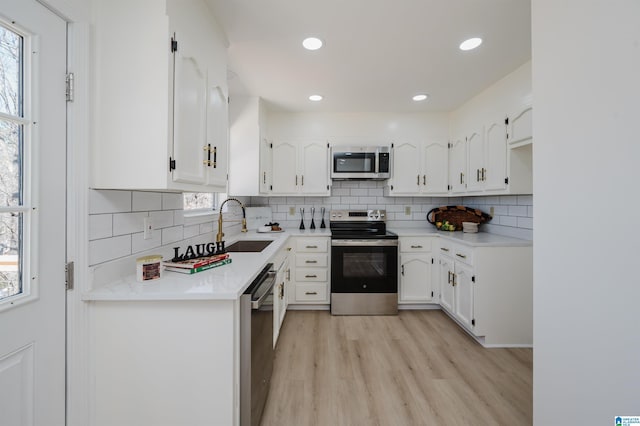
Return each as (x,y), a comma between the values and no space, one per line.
(264,290)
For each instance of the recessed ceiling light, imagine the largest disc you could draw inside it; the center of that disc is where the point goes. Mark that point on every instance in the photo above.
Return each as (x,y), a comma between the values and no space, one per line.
(315,98)
(312,43)
(420,97)
(471,43)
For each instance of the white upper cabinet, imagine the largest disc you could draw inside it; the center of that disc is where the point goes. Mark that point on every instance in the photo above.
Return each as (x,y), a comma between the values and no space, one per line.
(520,125)
(161,97)
(494,173)
(300,168)
(475,145)
(458,165)
(419,169)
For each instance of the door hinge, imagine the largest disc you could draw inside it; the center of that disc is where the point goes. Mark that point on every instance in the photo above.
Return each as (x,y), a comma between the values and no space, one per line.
(473,279)
(271,145)
(271,187)
(506,121)
(432,260)
(70,89)
(473,322)
(172,164)
(174,44)
(327,187)
(431,294)
(327,144)
(506,180)
(392,187)
(68,276)
(448,187)
(392,145)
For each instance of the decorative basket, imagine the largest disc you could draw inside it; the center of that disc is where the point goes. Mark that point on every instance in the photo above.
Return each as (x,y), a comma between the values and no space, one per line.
(455,215)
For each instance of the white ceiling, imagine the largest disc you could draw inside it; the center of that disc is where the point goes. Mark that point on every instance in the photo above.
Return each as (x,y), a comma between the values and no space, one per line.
(377,53)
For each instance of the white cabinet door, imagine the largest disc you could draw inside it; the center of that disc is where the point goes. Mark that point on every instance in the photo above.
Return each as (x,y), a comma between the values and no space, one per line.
(285,177)
(496,156)
(435,170)
(446,284)
(314,168)
(521,126)
(475,144)
(458,165)
(216,164)
(415,278)
(265,166)
(463,301)
(189,111)
(406,168)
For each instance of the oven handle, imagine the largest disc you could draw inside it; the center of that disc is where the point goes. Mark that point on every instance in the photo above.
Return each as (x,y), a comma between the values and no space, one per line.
(264,289)
(360,243)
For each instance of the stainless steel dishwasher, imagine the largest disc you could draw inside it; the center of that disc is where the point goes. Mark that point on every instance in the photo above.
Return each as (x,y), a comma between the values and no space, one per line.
(256,346)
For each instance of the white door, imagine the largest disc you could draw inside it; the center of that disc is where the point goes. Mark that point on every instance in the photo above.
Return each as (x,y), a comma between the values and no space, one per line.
(458,166)
(284,174)
(446,284)
(406,168)
(436,168)
(464,294)
(217,139)
(314,168)
(475,145)
(415,278)
(32,214)
(496,145)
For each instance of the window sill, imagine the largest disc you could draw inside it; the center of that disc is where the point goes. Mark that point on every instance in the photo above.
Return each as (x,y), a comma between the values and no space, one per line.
(198,217)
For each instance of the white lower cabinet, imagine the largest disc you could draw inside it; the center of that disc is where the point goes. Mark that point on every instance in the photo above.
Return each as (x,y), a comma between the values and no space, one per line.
(488,291)
(416,266)
(281,289)
(310,271)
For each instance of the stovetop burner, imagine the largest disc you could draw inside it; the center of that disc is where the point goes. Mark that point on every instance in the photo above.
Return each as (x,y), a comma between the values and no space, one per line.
(359,224)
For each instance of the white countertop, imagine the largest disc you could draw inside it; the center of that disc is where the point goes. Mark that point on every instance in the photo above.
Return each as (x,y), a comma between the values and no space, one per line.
(479,239)
(227,282)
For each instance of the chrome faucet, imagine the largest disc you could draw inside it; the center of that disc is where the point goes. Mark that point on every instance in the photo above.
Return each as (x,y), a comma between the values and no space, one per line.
(244,219)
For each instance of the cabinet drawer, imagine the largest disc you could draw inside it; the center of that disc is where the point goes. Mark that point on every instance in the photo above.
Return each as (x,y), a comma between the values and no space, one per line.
(311,274)
(462,254)
(445,248)
(311,292)
(311,260)
(312,245)
(415,244)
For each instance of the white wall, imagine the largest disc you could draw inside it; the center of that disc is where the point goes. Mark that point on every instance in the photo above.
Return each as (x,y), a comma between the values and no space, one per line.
(586,89)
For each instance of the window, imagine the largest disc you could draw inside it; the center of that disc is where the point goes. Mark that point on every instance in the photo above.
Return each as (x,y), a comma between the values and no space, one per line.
(201,202)
(14,209)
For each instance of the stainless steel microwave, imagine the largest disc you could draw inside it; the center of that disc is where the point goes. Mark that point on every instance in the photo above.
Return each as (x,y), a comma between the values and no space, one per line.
(360,162)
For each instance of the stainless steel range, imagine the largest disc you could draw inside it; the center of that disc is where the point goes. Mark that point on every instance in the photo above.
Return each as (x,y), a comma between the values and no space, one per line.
(364,263)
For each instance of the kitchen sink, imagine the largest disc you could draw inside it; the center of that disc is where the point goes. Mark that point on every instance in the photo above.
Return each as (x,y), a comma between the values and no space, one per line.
(249,246)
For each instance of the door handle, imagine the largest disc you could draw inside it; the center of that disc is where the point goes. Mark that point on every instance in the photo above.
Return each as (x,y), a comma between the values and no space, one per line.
(424,180)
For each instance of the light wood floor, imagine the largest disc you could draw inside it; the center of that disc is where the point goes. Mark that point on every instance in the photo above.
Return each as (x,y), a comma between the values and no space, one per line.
(417,368)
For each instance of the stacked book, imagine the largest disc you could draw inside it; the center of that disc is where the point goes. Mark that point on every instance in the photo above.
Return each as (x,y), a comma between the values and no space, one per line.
(200,264)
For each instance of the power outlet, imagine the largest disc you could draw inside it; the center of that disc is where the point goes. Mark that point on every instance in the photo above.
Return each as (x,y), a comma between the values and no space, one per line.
(148,228)
(491,211)
(407,210)
(292,211)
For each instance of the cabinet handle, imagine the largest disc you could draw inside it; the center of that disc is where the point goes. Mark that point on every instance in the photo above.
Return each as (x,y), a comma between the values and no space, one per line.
(215,156)
(461,178)
(289,274)
(302,176)
(444,249)
(264,177)
(424,180)
(461,255)
(310,247)
(454,279)
(449,277)
(418,183)
(310,261)
(282,291)
(484,171)
(402,270)
(311,276)
(288,248)
(296,180)
(477,175)
(416,246)
(311,293)
(207,163)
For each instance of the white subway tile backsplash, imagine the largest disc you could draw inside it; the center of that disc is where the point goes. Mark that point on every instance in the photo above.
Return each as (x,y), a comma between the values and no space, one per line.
(109,248)
(508,200)
(375,192)
(518,211)
(139,244)
(101,201)
(508,221)
(530,211)
(367,200)
(207,227)
(172,235)
(128,223)
(349,200)
(359,192)
(341,191)
(191,231)
(162,219)
(178,217)
(369,184)
(146,201)
(525,200)
(100,226)
(172,201)
(525,222)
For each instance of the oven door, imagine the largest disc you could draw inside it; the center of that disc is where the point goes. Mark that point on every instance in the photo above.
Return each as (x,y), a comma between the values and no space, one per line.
(364,266)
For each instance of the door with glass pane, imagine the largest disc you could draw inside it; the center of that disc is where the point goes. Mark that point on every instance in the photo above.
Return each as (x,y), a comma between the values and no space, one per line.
(32,214)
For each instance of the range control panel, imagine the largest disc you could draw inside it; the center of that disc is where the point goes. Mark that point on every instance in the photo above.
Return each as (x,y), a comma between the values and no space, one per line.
(358,216)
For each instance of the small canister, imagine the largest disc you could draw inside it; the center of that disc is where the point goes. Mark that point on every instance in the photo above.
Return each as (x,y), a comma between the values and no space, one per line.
(149,267)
